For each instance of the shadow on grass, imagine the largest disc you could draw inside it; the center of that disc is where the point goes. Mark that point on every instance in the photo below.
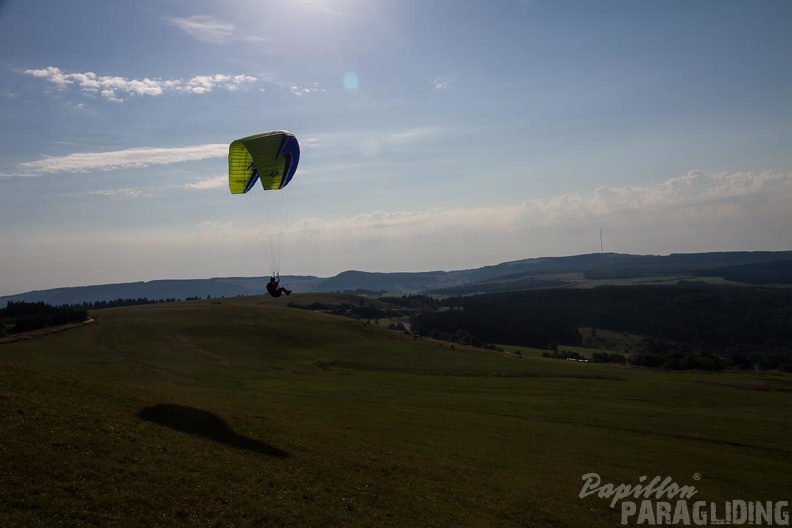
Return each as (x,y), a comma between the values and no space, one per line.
(202,423)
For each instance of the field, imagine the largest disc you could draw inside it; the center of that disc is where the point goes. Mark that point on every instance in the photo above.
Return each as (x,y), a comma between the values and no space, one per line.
(669,280)
(244,412)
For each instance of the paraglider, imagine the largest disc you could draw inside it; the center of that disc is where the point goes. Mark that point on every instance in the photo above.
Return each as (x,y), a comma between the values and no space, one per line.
(269,159)
(274,288)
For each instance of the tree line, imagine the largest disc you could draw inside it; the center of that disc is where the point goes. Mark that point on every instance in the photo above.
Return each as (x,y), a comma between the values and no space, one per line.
(689,325)
(18,317)
(117,303)
(22,316)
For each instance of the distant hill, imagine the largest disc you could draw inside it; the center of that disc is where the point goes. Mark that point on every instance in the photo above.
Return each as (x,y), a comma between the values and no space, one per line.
(159,289)
(753,267)
(618,265)
(760,273)
(386,282)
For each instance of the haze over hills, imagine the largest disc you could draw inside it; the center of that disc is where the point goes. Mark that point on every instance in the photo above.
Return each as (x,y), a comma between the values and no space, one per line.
(753,267)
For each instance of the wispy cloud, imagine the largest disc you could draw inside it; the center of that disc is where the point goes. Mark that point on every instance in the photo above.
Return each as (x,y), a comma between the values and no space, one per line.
(412,135)
(322,7)
(697,198)
(385,136)
(119,159)
(308,89)
(114,88)
(211,30)
(696,212)
(214,182)
(123,193)
(208,227)
(693,190)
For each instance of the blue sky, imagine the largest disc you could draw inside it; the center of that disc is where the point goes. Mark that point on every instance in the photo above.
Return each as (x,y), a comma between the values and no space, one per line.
(435,134)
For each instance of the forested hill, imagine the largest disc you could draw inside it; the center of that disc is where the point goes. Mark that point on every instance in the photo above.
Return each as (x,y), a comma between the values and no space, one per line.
(752,267)
(618,265)
(688,325)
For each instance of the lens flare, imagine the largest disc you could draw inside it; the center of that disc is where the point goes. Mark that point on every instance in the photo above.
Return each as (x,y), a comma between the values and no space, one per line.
(351,81)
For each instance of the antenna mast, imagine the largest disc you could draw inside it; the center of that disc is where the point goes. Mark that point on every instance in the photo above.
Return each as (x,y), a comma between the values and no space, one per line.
(601,250)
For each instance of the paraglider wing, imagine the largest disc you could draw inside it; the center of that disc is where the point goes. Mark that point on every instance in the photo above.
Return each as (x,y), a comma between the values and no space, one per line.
(271,158)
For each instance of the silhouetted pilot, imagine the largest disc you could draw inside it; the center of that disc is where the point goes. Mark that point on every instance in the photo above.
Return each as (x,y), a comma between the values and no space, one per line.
(275,290)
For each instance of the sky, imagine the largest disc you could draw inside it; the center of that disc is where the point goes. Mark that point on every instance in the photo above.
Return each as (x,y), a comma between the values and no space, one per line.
(435,134)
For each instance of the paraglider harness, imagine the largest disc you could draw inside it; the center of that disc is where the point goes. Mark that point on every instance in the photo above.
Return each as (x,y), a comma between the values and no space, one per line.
(274,289)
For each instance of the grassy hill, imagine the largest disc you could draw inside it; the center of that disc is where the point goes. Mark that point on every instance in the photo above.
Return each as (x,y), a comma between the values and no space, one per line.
(244,412)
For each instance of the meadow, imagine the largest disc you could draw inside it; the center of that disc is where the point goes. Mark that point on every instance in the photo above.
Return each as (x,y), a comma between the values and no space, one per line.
(245,412)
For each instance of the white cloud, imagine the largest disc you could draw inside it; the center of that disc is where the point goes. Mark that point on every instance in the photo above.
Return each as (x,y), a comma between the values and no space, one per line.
(115,88)
(439,84)
(134,157)
(695,189)
(413,135)
(123,193)
(371,145)
(202,84)
(696,212)
(215,182)
(208,227)
(311,88)
(211,30)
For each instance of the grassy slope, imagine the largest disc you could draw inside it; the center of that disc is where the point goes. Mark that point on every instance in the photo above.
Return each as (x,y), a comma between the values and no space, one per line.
(250,413)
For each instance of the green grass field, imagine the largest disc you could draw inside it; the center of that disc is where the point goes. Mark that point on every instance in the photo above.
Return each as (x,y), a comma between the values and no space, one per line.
(249,413)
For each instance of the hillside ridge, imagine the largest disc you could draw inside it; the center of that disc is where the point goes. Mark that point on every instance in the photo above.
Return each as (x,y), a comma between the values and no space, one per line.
(754,267)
